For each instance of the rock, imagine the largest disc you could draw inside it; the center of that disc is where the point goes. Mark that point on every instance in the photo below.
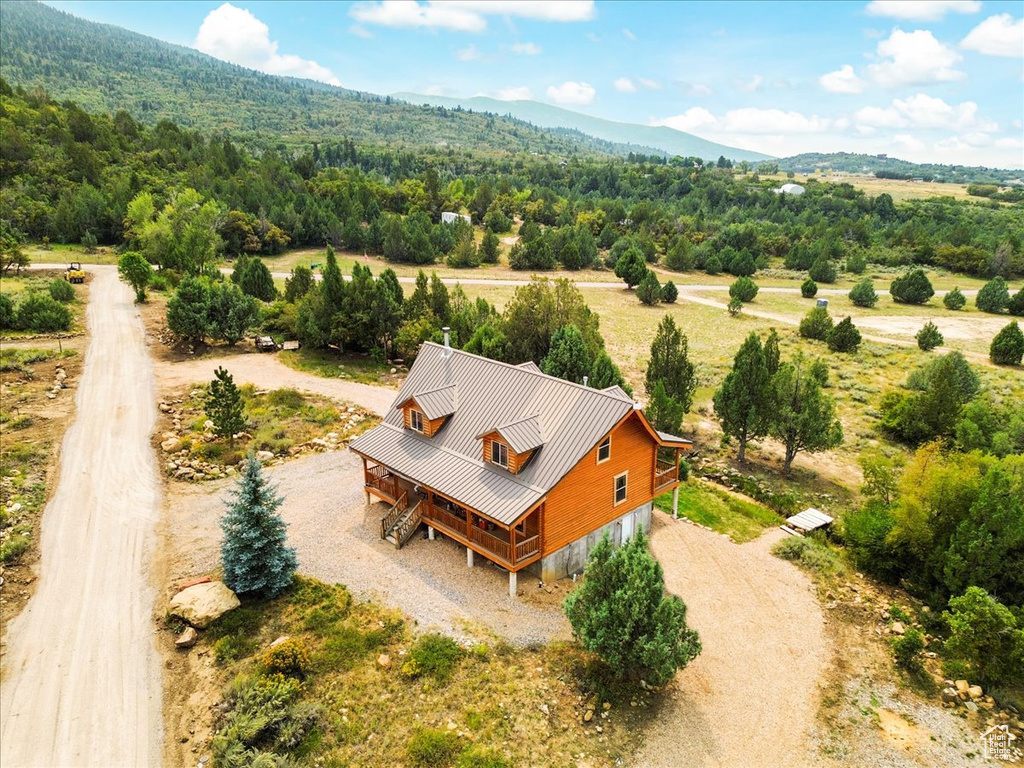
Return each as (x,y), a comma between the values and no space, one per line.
(962,686)
(975,692)
(279,640)
(184,473)
(264,455)
(170,445)
(948,695)
(187,638)
(545,709)
(164,408)
(201,604)
(971,706)
(588,716)
(384,661)
(394,370)
(897,628)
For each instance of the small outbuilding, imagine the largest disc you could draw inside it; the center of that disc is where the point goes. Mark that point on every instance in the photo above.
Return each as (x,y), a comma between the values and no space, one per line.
(790,189)
(449,217)
(804,522)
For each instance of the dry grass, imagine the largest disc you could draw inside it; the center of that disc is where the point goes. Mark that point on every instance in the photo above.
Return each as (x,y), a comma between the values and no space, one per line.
(899,190)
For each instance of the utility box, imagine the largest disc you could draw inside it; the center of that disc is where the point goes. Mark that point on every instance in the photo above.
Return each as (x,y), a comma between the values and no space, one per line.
(823,303)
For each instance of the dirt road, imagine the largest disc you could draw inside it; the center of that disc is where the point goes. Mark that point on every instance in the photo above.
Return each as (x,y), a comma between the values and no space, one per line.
(751,697)
(82,682)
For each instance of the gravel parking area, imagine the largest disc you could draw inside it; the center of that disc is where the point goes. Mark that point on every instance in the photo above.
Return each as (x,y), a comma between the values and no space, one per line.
(338,541)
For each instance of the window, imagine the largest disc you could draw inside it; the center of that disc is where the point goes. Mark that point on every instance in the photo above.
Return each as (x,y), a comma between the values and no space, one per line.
(416,420)
(620,488)
(604,450)
(499,454)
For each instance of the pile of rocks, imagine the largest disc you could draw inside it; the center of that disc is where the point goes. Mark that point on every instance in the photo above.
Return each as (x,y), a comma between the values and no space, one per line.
(971,697)
(199,603)
(60,377)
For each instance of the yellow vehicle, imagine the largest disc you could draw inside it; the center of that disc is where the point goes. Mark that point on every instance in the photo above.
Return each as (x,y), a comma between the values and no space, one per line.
(74,273)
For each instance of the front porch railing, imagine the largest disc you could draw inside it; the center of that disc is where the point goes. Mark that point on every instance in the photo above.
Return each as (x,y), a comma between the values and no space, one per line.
(393,515)
(459,528)
(666,474)
(380,477)
(527,548)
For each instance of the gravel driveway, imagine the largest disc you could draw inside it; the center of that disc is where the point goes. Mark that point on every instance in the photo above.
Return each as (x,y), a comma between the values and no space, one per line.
(338,541)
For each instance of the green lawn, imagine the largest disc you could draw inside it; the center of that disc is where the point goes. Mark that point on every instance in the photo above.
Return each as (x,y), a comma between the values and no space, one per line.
(330,365)
(724,513)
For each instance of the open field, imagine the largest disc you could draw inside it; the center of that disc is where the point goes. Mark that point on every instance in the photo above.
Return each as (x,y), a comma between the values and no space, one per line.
(899,190)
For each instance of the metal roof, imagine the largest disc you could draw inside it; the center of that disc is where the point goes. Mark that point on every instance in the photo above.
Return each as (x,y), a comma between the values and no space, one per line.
(571,419)
(435,402)
(665,437)
(529,365)
(618,391)
(523,435)
(809,519)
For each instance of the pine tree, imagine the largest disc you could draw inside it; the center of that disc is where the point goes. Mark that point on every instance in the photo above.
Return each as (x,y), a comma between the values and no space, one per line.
(253,552)
(649,290)
(1007,347)
(954,299)
(489,247)
(929,337)
(808,288)
(631,267)
(333,286)
(604,373)
(622,613)
(257,281)
(912,288)
(664,412)
(743,289)
(670,364)
(669,293)
(803,417)
(823,270)
(187,310)
(223,405)
(568,358)
(863,293)
(816,324)
(844,337)
(1016,305)
(994,296)
(298,285)
(743,401)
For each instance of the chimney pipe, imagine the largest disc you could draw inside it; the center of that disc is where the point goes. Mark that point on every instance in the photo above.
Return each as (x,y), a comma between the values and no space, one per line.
(585,379)
(446,329)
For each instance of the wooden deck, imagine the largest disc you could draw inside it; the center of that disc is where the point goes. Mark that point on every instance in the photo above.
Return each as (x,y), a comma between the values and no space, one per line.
(666,473)
(495,544)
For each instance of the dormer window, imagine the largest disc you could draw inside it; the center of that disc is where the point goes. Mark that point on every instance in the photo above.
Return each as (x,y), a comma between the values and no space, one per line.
(604,450)
(499,454)
(415,420)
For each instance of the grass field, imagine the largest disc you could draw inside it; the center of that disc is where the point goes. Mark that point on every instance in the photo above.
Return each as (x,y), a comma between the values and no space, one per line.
(899,190)
(739,519)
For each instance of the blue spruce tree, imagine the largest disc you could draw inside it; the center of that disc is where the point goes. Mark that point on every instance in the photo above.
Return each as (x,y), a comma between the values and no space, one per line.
(253,552)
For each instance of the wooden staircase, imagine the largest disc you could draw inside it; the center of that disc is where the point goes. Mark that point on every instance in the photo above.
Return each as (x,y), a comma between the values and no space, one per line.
(401,521)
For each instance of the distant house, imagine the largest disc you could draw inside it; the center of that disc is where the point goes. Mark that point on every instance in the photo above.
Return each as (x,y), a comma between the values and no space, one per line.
(448,217)
(523,469)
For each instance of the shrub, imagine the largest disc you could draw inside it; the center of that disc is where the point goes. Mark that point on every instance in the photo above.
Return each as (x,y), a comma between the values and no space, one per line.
(742,265)
(743,289)
(631,267)
(735,307)
(954,299)
(1016,305)
(669,293)
(912,288)
(134,269)
(478,757)
(929,337)
(808,289)
(807,553)
(816,324)
(844,337)
(649,290)
(863,293)
(908,648)
(232,648)
(1007,347)
(434,655)
(289,657)
(6,312)
(993,297)
(430,748)
(61,290)
(866,533)
(823,270)
(984,635)
(41,313)
(713,265)
(856,263)
(622,613)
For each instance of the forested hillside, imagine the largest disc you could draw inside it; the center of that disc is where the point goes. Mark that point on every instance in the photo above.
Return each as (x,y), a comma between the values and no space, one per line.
(885,167)
(103,67)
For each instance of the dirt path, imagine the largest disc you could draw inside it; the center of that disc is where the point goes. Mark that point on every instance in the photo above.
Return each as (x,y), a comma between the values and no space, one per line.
(267,372)
(752,696)
(82,683)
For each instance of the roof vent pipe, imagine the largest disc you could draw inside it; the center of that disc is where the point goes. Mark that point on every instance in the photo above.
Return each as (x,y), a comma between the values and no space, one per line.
(447,345)
(585,379)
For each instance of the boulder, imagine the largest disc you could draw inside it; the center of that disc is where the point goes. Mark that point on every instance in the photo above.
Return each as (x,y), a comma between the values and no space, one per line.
(171,445)
(264,455)
(962,686)
(897,628)
(949,694)
(201,604)
(187,638)
(975,692)
(383,661)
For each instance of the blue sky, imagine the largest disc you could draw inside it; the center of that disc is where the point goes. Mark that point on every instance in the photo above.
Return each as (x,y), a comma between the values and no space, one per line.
(926,80)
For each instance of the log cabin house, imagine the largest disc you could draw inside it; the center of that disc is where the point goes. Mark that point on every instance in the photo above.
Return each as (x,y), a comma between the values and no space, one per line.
(524,469)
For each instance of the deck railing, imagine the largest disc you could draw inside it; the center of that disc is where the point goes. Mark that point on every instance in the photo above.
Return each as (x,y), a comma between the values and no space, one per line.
(527,548)
(380,477)
(666,474)
(446,519)
(446,522)
(491,543)
(407,527)
(388,521)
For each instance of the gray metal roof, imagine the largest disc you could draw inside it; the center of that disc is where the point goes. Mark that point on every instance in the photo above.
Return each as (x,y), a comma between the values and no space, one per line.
(530,366)
(570,418)
(665,437)
(618,391)
(436,402)
(523,435)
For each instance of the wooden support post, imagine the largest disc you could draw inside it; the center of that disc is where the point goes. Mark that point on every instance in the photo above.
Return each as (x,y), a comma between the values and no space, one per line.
(512,584)
(366,493)
(512,545)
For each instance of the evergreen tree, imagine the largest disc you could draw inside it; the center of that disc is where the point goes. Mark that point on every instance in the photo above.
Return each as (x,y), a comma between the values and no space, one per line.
(823,270)
(1007,347)
(223,405)
(954,299)
(713,265)
(135,270)
(863,293)
(664,412)
(187,310)
(419,302)
(670,364)
(856,263)
(568,358)
(803,417)
(1016,305)
(772,356)
(649,290)
(912,288)
(604,373)
(387,308)
(438,300)
(6,312)
(298,285)
(230,313)
(929,337)
(465,253)
(844,337)
(680,256)
(994,296)
(489,247)
(254,552)
(631,267)
(743,401)
(743,289)
(816,324)
(622,613)
(257,281)
(808,289)
(333,286)
(669,292)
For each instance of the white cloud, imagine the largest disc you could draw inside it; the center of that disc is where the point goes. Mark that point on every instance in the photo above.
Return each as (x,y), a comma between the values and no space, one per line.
(747,121)
(572,93)
(624,85)
(997,36)
(1009,143)
(628,33)
(749,86)
(526,49)
(694,89)
(923,111)
(469,53)
(914,58)
(843,80)
(514,93)
(466,15)
(360,31)
(235,35)
(906,141)
(693,119)
(921,10)
(651,85)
